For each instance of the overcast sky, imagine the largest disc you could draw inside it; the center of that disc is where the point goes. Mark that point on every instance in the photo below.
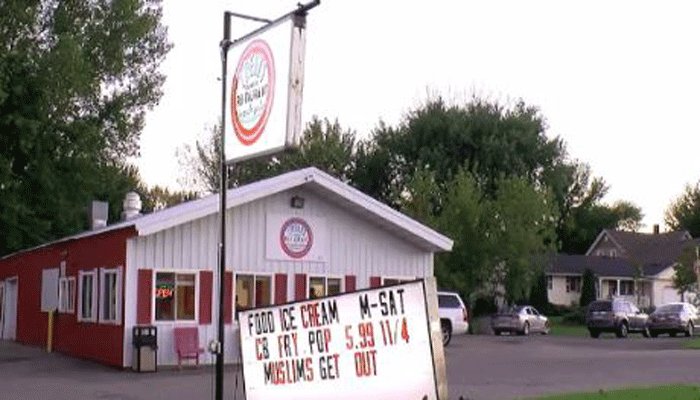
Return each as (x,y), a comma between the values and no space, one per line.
(618,80)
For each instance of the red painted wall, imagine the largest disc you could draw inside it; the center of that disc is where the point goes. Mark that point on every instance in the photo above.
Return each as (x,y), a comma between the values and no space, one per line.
(94,341)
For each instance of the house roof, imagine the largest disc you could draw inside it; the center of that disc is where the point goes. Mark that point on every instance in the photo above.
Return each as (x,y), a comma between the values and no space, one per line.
(652,252)
(312,178)
(648,248)
(601,266)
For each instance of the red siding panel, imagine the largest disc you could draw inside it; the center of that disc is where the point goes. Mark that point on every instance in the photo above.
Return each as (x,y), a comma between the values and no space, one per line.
(143,300)
(350,283)
(300,287)
(71,337)
(228,297)
(206,279)
(375,281)
(280,288)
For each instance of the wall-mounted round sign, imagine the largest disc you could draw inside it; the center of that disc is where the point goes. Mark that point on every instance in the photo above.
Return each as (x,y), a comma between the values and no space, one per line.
(253,90)
(296,237)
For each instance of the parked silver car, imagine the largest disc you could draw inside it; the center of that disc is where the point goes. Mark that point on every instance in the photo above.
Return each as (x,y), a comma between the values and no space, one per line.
(521,320)
(674,318)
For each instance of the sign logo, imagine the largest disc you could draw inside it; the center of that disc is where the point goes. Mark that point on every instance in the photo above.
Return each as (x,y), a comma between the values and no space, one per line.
(252,91)
(296,237)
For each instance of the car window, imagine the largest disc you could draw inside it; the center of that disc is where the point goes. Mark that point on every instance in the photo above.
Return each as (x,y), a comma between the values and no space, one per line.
(528,311)
(534,311)
(514,310)
(448,301)
(620,306)
(600,306)
(670,308)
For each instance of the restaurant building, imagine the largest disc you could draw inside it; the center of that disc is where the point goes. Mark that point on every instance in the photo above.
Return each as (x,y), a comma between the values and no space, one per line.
(296,235)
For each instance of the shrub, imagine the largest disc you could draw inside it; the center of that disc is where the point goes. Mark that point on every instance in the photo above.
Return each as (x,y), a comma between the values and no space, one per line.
(588,294)
(576,316)
(483,306)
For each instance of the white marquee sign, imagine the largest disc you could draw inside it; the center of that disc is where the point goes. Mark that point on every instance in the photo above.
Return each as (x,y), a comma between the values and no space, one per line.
(370,344)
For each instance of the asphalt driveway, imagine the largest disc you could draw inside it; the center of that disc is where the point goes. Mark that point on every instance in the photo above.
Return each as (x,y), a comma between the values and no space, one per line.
(479,368)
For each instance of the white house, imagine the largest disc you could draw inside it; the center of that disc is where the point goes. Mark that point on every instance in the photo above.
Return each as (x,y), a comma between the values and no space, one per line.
(632,265)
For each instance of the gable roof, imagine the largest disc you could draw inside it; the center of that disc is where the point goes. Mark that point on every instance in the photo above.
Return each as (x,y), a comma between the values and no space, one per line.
(312,178)
(662,249)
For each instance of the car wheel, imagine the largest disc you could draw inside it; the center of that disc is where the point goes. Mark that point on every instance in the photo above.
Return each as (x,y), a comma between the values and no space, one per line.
(646,332)
(672,334)
(497,332)
(654,334)
(689,330)
(446,333)
(594,333)
(622,330)
(546,329)
(526,329)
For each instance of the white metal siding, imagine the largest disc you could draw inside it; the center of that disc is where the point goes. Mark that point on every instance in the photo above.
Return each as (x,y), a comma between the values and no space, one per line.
(356,247)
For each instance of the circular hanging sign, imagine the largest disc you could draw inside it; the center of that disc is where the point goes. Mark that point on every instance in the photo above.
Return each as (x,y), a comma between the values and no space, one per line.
(296,237)
(252,92)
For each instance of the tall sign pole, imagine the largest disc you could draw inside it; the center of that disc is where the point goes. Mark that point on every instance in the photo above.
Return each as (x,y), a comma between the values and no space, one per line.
(265,115)
(223,186)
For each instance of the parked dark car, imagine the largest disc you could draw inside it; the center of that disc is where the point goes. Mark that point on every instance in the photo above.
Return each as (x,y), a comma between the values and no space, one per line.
(674,318)
(618,316)
(521,320)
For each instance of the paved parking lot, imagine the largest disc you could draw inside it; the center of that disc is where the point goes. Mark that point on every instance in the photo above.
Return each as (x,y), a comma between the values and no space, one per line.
(479,368)
(509,367)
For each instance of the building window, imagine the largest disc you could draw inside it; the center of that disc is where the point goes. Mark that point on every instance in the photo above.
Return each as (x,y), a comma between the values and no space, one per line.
(66,295)
(549,282)
(87,304)
(573,284)
(175,296)
(396,281)
(110,295)
(626,288)
(253,291)
(320,286)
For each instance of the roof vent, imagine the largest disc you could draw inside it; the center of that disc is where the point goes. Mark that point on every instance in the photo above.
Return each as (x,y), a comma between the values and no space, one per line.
(97,214)
(132,206)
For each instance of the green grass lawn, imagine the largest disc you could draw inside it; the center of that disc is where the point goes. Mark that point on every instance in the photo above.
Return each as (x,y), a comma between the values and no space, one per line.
(692,344)
(675,392)
(558,328)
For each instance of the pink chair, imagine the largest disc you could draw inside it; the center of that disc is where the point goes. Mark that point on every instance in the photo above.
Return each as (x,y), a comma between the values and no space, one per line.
(187,344)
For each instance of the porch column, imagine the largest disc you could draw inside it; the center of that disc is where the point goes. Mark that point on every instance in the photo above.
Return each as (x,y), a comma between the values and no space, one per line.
(617,288)
(600,289)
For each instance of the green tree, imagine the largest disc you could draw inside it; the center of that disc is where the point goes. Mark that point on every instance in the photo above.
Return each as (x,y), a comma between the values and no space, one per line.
(487,139)
(465,219)
(325,145)
(522,231)
(684,211)
(588,292)
(76,78)
(687,277)
(498,242)
(587,221)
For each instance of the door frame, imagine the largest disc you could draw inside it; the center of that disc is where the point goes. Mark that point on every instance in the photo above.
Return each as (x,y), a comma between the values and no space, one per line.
(15,281)
(2,308)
